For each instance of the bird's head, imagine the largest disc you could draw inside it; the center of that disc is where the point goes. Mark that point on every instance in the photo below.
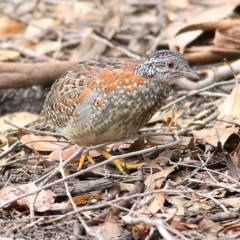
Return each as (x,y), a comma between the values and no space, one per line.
(166,65)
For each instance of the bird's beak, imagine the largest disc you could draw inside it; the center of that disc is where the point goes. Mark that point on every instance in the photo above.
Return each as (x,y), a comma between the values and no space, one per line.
(191,74)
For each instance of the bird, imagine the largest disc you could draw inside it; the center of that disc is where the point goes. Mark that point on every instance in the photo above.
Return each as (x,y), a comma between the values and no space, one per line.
(102,100)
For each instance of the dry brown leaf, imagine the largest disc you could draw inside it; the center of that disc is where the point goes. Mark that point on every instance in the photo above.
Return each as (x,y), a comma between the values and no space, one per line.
(235,156)
(113,21)
(140,231)
(213,13)
(209,226)
(3,161)
(214,135)
(195,20)
(178,179)
(231,104)
(210,26)
(87,49)
(43,202)
(110,229)
(112,26)
(44,199)
(20,119)
(183,39)
(223,52)
(87,11)
(172,115)
(126,186)
(197,206)
(156,180)
(232,201)
(8,193)
(214,3)
(7,54)
(178,203)
(205,20)
(210,54)
(145,18)
(227,122)
(179,225)
(154,206)
(234,227)
(85,198)
(223,130)
(161,160)
(9,25)
(90,46)
(67,12)
(136,145)
(233,161)
(36,27)
(60,206)
(180,3)
(228,37)
(47,46)
(43,143)
(57,155)
(25,7)
(3,142)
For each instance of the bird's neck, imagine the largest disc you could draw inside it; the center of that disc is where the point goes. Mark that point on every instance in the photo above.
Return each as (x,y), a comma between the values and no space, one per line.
(160,87)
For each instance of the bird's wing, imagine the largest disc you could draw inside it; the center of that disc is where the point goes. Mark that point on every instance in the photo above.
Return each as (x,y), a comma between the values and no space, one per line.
(86,85)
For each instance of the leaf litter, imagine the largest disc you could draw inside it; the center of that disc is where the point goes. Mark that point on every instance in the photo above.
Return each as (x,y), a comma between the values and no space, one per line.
(187,187)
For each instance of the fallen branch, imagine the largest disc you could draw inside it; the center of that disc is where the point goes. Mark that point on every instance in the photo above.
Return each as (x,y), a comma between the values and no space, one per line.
(20,75)
(215,74)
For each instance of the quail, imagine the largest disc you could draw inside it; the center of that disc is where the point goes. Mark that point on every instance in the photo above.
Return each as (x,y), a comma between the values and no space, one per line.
(103,100)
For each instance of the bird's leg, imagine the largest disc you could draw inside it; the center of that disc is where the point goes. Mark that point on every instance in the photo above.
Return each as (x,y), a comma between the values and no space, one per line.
(83,158)
(120,164)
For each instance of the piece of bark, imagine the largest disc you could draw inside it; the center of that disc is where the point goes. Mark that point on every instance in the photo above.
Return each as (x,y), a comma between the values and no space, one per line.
(20,75)
(209,57)
(83,187)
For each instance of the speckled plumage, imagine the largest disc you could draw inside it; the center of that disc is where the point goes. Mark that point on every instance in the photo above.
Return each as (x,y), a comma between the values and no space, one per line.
(103,100)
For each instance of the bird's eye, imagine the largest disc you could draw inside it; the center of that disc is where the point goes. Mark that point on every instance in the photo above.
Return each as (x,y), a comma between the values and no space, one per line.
(170,64)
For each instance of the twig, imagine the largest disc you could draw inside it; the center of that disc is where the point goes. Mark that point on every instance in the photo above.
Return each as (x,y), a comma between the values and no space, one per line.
(195,92)
(231,188)
(93,167)
(27,52)
(156,222)
(9,149)
(82,151)
(108,43)
(236,183)
(220,217)
(17,160)
(96,235)
(213,94)
(32,130)
(128,198)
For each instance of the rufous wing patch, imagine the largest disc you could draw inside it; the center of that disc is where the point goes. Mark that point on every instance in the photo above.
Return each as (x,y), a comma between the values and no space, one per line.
(109,81)
(80,99)
(98,102)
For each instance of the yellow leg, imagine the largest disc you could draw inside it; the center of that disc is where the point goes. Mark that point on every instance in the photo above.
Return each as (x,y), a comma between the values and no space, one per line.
(83,158)
(119,163)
